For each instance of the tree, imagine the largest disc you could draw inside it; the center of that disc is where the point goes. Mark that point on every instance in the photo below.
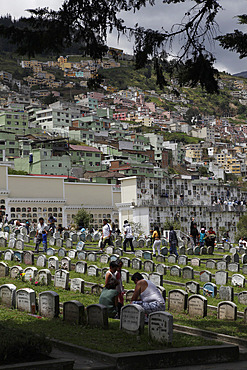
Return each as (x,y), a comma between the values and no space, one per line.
(82,218)
(242,227)
(87,23)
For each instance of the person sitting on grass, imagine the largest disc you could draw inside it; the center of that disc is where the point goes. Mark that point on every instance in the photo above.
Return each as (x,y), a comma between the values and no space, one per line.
(147,295)
(109,294)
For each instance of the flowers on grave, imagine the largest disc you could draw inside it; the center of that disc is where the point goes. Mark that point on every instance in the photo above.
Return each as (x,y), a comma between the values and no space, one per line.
(21,276)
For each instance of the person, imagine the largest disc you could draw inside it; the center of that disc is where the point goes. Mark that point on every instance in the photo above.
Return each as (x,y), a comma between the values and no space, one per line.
(210,237)
(147,295)
(119,287)
(202,237)
(42,226)
(106,235)
(51,222)
(109,294)
(192,224)
(44,240)
(128,236)
(173,240)
(195,234)
(157,241)
(27,226)
(60,228)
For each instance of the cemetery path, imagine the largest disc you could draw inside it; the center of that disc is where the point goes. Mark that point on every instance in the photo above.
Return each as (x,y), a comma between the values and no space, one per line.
(81,361)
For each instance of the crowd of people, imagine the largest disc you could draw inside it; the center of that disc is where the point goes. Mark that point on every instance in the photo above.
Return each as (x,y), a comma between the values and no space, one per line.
(204,237)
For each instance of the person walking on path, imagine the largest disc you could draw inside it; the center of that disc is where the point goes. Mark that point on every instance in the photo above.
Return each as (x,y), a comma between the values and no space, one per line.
(106,234)
(128,236)
(157,241)
(173,240)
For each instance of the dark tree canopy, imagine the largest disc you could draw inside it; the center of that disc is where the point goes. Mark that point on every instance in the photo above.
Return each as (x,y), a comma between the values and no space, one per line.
(88,22)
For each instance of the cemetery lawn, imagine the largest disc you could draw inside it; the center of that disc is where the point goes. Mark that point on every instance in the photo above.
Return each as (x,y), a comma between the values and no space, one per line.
(111,340)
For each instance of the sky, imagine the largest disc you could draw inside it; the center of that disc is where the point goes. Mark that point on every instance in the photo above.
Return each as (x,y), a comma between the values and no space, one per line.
(156,17)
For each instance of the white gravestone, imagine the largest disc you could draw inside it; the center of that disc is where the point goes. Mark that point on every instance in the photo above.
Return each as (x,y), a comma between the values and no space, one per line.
(49,304)
(221,277)
(8,295)
(15,272)
(81,267)
(77,285)
(238,280)
(160,327)
(177,300)
(197,306)
(227,311)
(132,319)
(4,269)
(30,273)
(44,277)
(61,279)
(41,261)
(53,263)
(66,263)
(25,300)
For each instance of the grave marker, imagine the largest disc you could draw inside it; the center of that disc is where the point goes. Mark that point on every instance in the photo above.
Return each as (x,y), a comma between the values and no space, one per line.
(172,258)
(238,280)
(177,300)
(74,312)
(210,290)
(104,258)
(136,264)
(192,287)
(61,252)
(41,261)
(53,263)
(233,267)
(221,277)
(148,266)
(227,311)
(187,272)
(81,267)
(61,279)
(175,271)
(242,297)
(4,270)
(93,270)
(66,263)
(226,293)
(160,327)
(210,264)
(156,278)
(8,295)
(197,306)
(44,277)
(49,304)
(161,269)
(205,276)
(28,258)
(132,319)
(25,300)
(15,272)
(97,316)
(182,260)
(195,261)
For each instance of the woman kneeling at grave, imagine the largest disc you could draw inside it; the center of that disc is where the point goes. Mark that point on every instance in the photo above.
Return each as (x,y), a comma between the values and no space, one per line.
(109,294)
(147,295)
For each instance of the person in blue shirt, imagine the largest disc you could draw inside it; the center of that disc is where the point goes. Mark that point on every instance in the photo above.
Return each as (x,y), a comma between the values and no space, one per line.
(44,241)
(202,237)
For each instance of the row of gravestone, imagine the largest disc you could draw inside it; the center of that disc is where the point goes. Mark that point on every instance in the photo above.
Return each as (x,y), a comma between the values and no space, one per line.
(132,317)
(178,301)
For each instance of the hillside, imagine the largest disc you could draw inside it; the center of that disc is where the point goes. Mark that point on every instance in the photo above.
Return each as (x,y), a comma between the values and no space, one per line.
(241,74)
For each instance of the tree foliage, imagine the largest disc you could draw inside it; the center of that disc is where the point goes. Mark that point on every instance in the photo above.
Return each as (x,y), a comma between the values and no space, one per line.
(87,23)
(82,218)
(242,227)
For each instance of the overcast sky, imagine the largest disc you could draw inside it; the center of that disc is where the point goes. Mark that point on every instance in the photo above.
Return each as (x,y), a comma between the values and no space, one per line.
(156,17)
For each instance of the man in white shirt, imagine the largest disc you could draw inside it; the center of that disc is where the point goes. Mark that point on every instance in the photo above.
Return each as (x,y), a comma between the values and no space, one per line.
(41,228)
(106,234)
(128,236)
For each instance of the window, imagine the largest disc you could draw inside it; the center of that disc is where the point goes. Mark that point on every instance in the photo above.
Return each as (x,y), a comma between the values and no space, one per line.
(60,165)
(11,151)
(88,154)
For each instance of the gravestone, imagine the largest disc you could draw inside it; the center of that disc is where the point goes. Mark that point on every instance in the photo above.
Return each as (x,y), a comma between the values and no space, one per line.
(118,243)
(69,243)
(226,293)
(205,276)
(197,251)
(114,257)
(227,258)
(126,261)
(15,272)
(128,295)
(233,267)
(28,258)
(172,258)
(244,269)
(109,250)
(74,237)
(72,253)
(182,260)
(187,272)
(210,264)
(53,263)
(92,256)
(3,242)
(197,306)
(104,271)
(203,250)
(210,250)
(161,269)
(74,312)
(50,251)
(19,245)
(25,300)
(136,264)
(235,257)
(132,319)
(139,254)
(96,289)
(141,243)
(12,242)
(82,237)
(147,255)
(51,241)
(160,259)
(18,256)
(145,275)
(175,271)
(160,327)
(93,270)
(61,279)
(210,290)
(77,285)
(80,246)
(125,275)
(59,242)
(118,251)
(30,273)
(49,304)
(8,295)
(44,277)
(227,311)
(192,287)
(221,265)
(177,300)
(97,316)
(66,263)
(181,250)
(244,258)
(156,278)
(238,280)
(8,255)
(81,267)
(96,236)
(134,242)
(41,261)
(4,270)
(148,266)
(104,258)
(242,297)
(164,251)
(221,277)
(195,261)
(61,252)
(82,255)
(189,251)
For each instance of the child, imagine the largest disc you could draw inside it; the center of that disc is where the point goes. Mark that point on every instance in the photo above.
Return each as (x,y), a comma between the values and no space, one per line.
(202,237)
(44,240)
